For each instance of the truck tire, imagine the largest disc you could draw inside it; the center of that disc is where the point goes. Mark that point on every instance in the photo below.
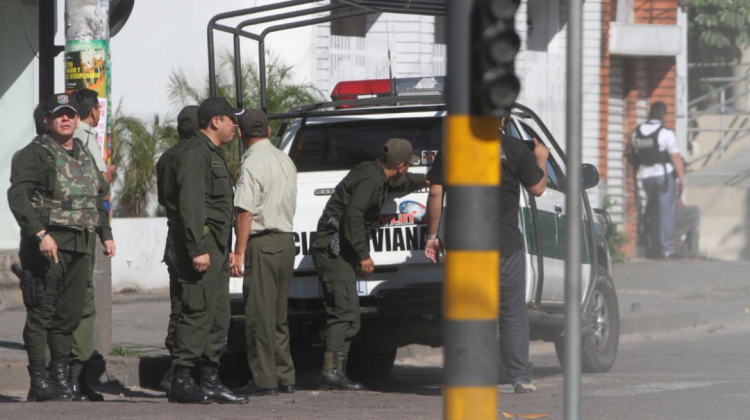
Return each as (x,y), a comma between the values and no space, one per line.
(599,346)
(365,364)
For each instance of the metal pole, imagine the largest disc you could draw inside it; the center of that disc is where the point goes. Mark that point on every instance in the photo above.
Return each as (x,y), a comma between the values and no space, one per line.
(722,99)
(472,264)
(262,73)
(238,86)
(211,62)
(574,227)
(87,65)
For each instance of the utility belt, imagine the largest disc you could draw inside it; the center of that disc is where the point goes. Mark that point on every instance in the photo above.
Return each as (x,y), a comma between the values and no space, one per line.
(267,233)
(33,289)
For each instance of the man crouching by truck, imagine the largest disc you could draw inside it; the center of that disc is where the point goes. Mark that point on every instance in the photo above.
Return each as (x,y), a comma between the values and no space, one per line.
(341,249)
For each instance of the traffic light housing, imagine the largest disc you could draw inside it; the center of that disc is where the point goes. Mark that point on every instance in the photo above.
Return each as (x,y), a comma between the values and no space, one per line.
(495,46)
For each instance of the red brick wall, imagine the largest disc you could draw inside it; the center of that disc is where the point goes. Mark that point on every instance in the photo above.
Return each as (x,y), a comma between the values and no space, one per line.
(660,12)
(608,13)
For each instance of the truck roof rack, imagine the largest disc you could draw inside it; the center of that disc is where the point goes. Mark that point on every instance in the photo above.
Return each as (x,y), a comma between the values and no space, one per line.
(292,14)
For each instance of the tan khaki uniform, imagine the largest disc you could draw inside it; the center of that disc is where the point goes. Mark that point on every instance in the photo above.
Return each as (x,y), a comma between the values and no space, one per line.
(267,188)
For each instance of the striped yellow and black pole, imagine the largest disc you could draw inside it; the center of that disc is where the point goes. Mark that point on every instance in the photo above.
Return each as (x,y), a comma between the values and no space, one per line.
(481,86)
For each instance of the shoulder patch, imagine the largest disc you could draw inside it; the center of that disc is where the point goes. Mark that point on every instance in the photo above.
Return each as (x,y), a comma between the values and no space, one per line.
(240,181)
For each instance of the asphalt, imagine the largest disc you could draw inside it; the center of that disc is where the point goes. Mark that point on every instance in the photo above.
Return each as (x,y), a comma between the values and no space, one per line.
(654,297)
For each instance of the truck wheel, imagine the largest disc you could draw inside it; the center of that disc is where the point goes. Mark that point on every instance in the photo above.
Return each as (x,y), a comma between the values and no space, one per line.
(365,364)
(599,346)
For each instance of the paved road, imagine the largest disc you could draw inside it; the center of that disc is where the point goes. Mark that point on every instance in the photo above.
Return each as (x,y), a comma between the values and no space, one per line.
(696,373)
(700,373)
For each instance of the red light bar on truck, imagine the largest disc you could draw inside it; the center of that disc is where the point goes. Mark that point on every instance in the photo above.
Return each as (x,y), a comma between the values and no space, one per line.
(386,87)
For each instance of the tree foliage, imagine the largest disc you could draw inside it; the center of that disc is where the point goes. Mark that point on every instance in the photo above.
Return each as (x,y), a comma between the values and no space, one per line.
(136,146)
(718,31)
(282,92)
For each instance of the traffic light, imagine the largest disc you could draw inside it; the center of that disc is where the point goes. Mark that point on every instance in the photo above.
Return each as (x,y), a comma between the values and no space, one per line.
(495,45)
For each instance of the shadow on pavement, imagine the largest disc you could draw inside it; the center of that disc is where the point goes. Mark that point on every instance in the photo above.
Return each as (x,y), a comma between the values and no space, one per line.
(13,345)
(9,399)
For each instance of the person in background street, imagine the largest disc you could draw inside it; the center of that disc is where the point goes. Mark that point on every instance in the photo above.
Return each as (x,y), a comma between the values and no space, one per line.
(187,125)
(265,201)
(657,158)
(198,249)
(341,253)
(90,113)
(520,167)
(56,196)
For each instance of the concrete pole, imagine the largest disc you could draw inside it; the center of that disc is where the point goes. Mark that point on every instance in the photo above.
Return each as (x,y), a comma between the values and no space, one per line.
(574,225)
(88,65)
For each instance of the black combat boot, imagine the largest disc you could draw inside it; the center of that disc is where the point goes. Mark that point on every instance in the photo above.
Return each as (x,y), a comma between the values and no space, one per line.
(58,378)
(79,386)
(166,381)
(334,373)
(40,389)
(216,391)
(184,390)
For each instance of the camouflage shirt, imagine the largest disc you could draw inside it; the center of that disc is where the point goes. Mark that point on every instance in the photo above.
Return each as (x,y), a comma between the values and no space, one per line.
(33,177)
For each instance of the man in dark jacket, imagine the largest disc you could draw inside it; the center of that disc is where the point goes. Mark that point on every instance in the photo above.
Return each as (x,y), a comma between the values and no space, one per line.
(199,209)
(341,248)
(187,125)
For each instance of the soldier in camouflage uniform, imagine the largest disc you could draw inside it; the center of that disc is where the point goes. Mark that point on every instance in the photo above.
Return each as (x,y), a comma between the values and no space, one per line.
(56,196)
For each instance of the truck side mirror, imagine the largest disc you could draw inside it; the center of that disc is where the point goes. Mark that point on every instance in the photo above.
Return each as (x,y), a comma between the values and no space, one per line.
(590,176)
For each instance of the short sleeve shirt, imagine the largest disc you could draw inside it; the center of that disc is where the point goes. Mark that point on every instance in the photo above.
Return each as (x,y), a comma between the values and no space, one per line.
(267,187)
(667,142)
(89,137)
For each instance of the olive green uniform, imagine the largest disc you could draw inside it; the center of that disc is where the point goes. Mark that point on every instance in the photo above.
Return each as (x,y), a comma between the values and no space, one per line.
(199,208)
(267,188)
(355,206)
(83,336)
(166,176)
(68,217)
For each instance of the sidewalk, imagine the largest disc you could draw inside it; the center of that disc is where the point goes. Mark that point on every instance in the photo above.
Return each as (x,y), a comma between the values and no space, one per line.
(654,296)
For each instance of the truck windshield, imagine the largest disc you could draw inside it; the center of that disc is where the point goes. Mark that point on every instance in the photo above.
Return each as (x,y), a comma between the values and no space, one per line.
(343,145)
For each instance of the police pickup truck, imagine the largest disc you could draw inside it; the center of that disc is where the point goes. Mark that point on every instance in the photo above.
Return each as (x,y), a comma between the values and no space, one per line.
(401,301)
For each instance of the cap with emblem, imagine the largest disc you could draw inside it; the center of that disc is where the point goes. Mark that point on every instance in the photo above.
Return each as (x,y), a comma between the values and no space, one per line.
(60,101)
(217,106)
(399,150)
(253,123)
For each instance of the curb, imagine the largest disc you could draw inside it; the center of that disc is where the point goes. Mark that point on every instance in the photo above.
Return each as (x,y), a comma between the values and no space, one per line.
(147,372)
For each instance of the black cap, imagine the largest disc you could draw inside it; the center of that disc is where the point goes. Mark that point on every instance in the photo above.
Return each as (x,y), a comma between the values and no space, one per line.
(254,123)
(217,106)
(187,120)
(60,101)
(399,150)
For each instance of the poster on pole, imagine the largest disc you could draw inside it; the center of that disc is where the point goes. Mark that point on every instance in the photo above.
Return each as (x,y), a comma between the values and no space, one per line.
(87,66)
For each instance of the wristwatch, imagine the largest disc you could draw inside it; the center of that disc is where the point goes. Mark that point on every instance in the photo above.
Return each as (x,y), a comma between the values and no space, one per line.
(432,237)
(40,236)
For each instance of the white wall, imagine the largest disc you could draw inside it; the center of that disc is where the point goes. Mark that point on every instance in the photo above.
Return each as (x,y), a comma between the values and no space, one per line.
(140,248)
(18,75)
